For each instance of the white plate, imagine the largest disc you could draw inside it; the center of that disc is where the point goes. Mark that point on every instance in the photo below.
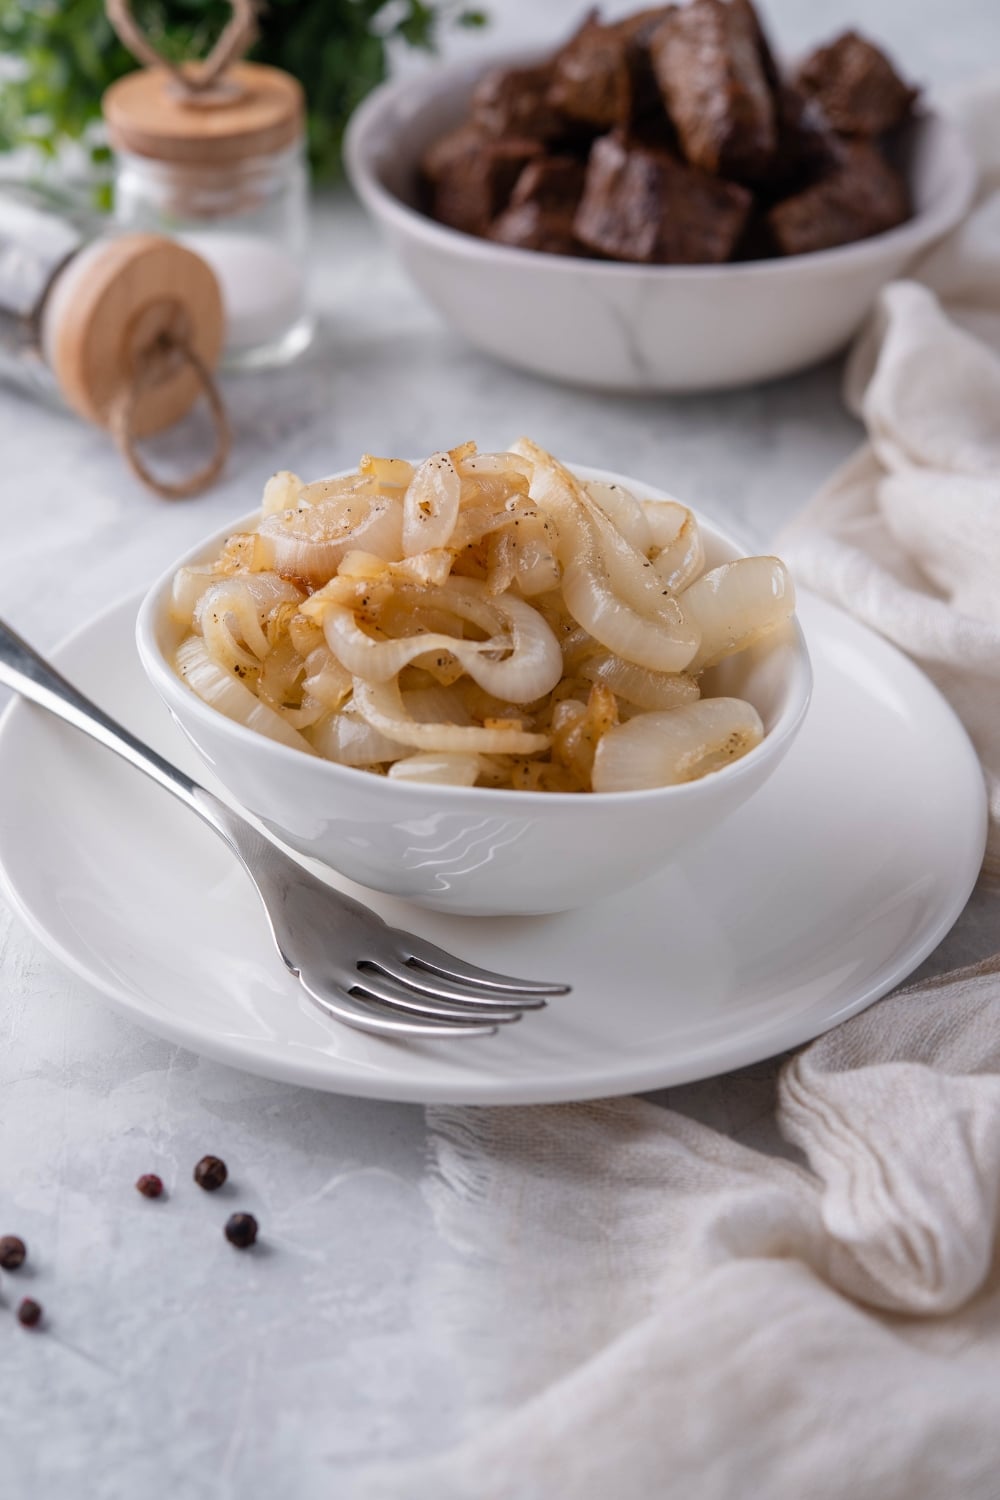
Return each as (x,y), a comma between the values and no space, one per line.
(823,892)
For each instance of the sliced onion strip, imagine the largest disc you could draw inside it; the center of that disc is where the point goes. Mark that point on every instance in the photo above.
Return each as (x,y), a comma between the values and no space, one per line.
(736,604)
(444,768)
(350,740)
(664,644)
(647,643)
(638,685)
(623,510)
(187,589)
(231,613)
(519,663)
(585,526)
(326,680)
(430,507)
(381,705)
(665,520)
(281,492)
(682,745)
(221,690)
(309,543)
(683,559)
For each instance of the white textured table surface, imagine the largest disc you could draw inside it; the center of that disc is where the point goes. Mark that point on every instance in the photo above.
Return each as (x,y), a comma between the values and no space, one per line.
(172,1366)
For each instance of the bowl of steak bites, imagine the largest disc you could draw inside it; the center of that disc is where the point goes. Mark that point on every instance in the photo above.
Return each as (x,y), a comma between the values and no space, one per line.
(662,203)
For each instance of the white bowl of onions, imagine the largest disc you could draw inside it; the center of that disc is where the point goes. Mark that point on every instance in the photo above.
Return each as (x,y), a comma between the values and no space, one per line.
(489,683)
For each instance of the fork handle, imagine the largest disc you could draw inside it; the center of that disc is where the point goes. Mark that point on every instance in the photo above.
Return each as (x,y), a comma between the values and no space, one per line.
(29,674)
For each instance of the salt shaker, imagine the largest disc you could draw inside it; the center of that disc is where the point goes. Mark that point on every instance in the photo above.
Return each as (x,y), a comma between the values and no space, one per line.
(214,155)
(124,329)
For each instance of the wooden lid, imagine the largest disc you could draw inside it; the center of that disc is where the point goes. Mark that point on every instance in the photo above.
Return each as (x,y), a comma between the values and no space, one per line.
(112,307)
(251,111)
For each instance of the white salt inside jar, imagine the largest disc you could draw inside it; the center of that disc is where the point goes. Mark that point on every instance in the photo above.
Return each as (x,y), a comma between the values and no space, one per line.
(224,172)
(263,288)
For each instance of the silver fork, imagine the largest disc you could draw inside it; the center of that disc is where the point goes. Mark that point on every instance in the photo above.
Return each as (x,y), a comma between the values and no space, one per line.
(355,967)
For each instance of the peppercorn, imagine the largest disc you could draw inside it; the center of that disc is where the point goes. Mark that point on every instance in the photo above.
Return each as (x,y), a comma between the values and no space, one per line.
(149,1185)
(210,1173)
(29,1312)
(241,1230)
(12,1252)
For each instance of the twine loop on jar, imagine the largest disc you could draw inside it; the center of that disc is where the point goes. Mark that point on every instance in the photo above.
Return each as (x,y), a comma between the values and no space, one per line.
(152,364)
(236,37)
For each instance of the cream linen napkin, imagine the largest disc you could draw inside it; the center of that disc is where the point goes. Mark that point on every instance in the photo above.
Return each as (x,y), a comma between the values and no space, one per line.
(656,1312)
(649,1310)
(907,535)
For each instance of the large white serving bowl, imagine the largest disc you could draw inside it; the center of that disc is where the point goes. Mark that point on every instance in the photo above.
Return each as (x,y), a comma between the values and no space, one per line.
(634,327)
(475,850)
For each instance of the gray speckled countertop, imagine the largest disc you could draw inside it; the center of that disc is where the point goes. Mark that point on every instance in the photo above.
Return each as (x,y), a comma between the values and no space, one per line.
(171,1366)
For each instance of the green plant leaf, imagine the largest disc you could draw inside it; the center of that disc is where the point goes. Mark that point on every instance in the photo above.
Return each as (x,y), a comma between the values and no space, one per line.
(65,54)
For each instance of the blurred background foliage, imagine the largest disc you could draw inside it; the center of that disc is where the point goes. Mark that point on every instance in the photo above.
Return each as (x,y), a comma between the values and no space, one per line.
(60,56)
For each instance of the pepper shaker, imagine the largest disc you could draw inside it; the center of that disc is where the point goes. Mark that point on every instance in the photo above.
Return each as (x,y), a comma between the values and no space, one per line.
(124,329)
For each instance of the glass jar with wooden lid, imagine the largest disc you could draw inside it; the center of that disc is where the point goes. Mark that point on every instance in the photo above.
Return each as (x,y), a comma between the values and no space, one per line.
(215,157)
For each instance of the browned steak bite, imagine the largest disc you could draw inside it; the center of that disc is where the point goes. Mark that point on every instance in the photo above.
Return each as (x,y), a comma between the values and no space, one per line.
(514,102)
(755,26)
(864,196)
(859,89)
(708,62)
(468,179)
(590,82)
(646,114)
(554,182)
(528,226)
(603,77)
(642,204)
(755,242)
(808,148)
(542,205)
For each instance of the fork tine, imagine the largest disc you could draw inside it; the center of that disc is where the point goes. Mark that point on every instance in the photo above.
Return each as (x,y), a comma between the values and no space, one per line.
(426,982)
(424,955)
(343,1007)
(371,985)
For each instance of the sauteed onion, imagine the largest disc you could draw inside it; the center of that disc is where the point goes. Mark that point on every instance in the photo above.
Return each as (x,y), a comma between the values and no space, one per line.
(481,619)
